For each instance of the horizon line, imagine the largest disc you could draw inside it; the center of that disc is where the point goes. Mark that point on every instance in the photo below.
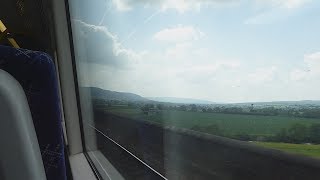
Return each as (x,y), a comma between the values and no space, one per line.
(213,102)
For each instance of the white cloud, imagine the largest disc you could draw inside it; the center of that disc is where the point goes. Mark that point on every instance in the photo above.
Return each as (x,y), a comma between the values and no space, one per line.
(267,17)
(98,45)
(270,11)
(180,6)
(313,61)
(262,75)
(122,5)
(163,74)
(179,51)
(311,68)
(179,34)
(288,4)
(201,74)
(298,75)
(186,70)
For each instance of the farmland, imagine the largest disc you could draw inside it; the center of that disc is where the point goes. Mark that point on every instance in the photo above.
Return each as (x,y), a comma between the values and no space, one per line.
(229,123)
(304,149)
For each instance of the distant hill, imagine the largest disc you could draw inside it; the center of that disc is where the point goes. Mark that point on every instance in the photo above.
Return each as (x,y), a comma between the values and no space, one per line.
(113,95)
(131,97)
(302,102)
(180,100)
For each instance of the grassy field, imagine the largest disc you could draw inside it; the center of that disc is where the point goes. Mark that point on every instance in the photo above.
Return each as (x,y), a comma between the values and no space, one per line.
(228,123)
(304,149)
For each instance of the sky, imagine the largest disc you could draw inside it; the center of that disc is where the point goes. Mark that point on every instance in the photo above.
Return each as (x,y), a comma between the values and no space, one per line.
(217,50)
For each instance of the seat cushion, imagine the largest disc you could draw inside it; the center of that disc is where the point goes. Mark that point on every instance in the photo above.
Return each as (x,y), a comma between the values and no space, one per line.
(35,71)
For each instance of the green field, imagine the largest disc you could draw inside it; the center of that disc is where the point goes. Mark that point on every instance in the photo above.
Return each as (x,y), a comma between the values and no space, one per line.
(304,149)
(228,123)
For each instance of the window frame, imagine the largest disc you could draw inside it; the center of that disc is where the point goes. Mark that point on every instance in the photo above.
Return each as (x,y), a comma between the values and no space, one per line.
(81,165)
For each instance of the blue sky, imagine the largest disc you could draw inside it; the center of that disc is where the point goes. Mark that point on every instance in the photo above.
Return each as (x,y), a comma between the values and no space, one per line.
(218,50)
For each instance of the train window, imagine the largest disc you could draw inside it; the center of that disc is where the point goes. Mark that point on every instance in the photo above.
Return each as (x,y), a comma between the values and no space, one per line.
(188,89)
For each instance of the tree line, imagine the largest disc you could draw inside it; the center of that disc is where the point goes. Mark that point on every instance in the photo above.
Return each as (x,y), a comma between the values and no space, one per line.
(300,111)
(297,134)
(304,112)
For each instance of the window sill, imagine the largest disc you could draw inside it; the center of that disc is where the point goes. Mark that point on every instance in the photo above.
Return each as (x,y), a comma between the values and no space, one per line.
(80,168)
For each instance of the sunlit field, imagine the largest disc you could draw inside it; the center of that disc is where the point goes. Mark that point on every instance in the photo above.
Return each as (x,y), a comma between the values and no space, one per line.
(228,123)
(304,149)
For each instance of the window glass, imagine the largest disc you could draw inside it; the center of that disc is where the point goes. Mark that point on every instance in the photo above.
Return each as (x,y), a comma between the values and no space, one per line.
(188,89)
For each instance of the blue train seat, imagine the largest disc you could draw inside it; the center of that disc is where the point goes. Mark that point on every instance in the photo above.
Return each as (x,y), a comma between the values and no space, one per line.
(35,71)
